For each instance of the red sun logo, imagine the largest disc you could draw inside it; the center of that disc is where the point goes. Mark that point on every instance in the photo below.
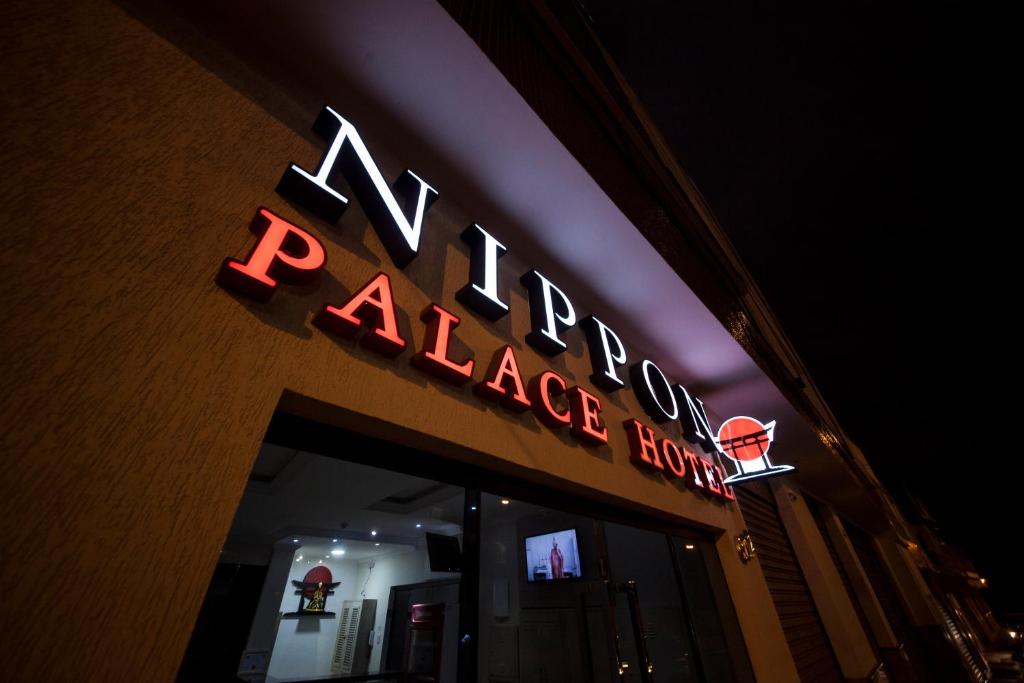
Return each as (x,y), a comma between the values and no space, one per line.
(318,574)
(745,439)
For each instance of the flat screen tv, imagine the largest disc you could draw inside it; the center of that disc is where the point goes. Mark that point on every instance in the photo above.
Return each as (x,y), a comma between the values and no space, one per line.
(552,556)
(444,553)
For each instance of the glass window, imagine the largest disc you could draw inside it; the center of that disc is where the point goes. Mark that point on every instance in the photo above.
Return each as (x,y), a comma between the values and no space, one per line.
(334,570)
(574,598)
(338,570)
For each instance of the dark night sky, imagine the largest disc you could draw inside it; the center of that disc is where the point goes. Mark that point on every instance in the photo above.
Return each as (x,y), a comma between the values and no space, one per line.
(834,145)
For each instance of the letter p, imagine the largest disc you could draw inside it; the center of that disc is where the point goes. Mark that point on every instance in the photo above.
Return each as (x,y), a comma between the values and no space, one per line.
(284,252)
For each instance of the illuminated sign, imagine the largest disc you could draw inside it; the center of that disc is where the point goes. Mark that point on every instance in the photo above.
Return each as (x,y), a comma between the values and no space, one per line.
(481,294)
(551,313)
(398,231)
(665,457)
(746,441)
(285,252)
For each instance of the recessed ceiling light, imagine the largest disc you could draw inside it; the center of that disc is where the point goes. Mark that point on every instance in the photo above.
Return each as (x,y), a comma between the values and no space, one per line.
(337,552)
(334,540)
(373,532)
(505,501)
(689,546)
(419,526)
(295,540)
(472,507)
(376,543)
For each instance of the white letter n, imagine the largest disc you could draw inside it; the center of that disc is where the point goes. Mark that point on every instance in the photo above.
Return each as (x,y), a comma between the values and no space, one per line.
(398,230)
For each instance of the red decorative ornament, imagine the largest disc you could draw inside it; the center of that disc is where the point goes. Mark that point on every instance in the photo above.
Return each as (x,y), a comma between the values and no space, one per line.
(318,574)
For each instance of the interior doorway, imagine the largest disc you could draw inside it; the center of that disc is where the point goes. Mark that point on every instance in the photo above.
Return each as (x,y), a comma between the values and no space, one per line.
(347,552)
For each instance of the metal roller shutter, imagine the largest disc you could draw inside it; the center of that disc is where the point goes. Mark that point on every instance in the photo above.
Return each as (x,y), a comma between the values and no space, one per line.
(975,668)
(809,644)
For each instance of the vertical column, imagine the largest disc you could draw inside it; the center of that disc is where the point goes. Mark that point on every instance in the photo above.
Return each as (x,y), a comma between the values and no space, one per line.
(263,633)
(850,643)
(469,589)
(859,581)
(913,590)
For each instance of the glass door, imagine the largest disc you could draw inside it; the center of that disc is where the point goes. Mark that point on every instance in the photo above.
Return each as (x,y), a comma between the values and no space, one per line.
(571,598)
(651,621)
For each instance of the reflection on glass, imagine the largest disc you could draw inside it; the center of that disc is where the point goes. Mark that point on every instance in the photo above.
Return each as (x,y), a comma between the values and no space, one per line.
(624,617)
(352,586)
(644,558)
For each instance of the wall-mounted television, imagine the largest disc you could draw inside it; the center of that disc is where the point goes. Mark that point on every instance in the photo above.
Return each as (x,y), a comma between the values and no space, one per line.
(552,556)
(444,553)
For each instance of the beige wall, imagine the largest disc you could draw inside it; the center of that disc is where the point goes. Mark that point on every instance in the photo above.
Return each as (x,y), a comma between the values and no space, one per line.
(137,391)
(913,590)
(859,581)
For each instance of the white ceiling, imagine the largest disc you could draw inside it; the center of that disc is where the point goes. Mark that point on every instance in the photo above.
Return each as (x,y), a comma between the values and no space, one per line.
(314,498)
(312,549)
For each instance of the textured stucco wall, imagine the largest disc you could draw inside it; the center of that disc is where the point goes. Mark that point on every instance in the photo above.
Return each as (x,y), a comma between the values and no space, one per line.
(136,392)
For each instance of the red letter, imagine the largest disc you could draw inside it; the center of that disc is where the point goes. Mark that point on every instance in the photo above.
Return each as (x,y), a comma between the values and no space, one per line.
(584,408)
(693,476)
(673,458)
(285,252)
(372,306)
(726,489)
(434,356)
(504,371)
(541,392)
(643,450)
(709,477)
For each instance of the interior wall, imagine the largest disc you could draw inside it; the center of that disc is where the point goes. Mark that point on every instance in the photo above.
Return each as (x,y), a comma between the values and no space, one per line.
(500,571)
(395,569)
(304,646)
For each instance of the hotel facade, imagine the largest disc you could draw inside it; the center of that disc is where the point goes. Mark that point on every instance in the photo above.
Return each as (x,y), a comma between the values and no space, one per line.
(387,341)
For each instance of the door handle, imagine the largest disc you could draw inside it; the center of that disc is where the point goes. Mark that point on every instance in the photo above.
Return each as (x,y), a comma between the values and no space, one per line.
(639,632)
(621,665)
